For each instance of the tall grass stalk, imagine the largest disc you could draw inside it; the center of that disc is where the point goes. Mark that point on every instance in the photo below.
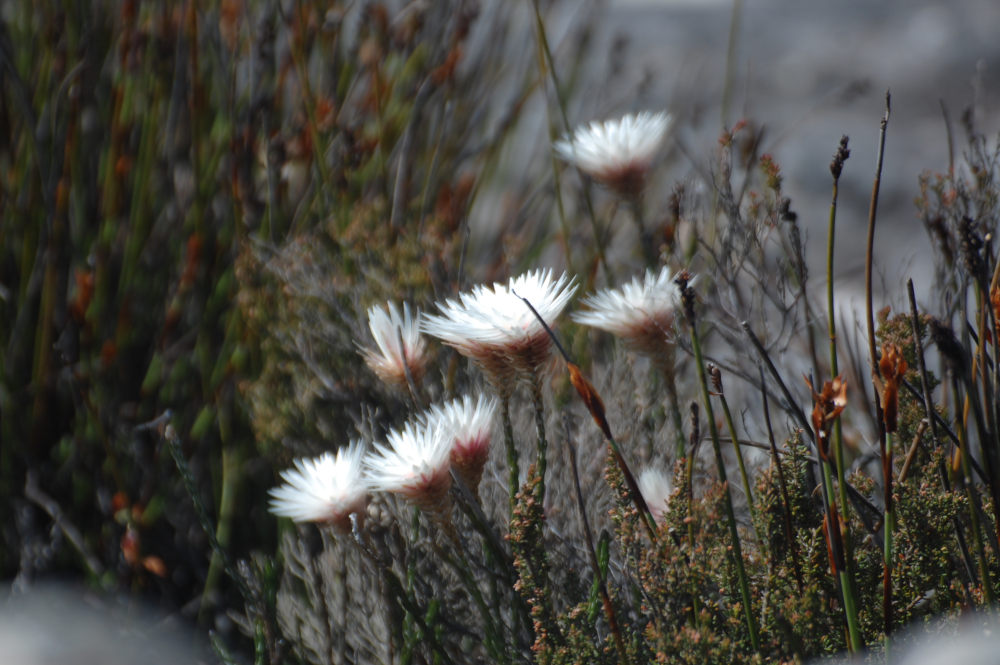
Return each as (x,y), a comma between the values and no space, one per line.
(716,377)
(847,587)
(547,64)
(737,551)
(884,445)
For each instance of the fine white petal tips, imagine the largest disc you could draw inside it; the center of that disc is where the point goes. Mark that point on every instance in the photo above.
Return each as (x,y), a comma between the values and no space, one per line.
(469,425)
(655,488)
(399,347)
(328,488)
(414,462)
(618,152)
(642,311)
(492,325)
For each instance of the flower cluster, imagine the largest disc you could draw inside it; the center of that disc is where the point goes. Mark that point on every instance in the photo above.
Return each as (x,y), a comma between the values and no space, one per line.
(414,462)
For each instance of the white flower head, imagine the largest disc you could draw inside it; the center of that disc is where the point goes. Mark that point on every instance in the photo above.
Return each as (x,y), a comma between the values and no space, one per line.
(328,488)
(642,312)
(392,359)
(469,425)
(617,153)
(494,327)
(656,489)
(415,463)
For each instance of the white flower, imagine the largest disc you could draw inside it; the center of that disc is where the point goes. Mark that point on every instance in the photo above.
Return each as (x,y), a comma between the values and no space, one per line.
(415,462)
(493,326)
(655,489)
(391,359)
(640,312)
(469,424)
(327,488)
(619,152)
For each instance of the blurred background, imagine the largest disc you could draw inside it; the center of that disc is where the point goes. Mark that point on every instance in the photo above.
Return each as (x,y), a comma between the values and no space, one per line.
(199,200)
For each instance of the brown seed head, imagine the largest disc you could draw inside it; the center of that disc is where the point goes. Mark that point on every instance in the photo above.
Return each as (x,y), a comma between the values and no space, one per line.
(837,165)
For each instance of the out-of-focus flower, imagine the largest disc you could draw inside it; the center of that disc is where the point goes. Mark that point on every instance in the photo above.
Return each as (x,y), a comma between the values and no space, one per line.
(328,488)
(617,153)
(391,359)
(415,463)
(469,425)
(494,327)
(655,488)
(641,312)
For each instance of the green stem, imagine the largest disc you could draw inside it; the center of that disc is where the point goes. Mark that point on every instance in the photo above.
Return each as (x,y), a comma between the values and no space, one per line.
(730,514)
(743,469)
(666,360)
(649,252)
(541,462)
(838,435)
(508,438)
(972,500)
(492,641)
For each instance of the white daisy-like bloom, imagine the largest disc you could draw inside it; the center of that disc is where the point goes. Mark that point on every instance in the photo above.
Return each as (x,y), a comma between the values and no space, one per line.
(469,424)
(642,312)
(617,153)
(390,360)
(415,463)
(655,487)
(328,488)
(494,327)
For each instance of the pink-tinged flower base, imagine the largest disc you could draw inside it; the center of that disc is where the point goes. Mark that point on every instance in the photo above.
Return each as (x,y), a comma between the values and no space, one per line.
(468,458)
(414,463)
(390,359)
(642,312)
(493,326)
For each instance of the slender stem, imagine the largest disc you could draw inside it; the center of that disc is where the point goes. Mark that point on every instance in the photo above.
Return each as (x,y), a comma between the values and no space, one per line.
(972,499)
(649,252)
(492,640)
(397,590)
(514,477)
(789,532)
(838,436)
(541,462)
(665,361)
(543,41)
(730,514)
(727,86)
(609,609)
(743,469)
(885,445)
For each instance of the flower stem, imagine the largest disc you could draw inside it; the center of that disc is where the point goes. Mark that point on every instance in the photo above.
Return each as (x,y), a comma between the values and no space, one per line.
(508,438)
(541,462)
(548,64)
(730,515)
(743,468)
